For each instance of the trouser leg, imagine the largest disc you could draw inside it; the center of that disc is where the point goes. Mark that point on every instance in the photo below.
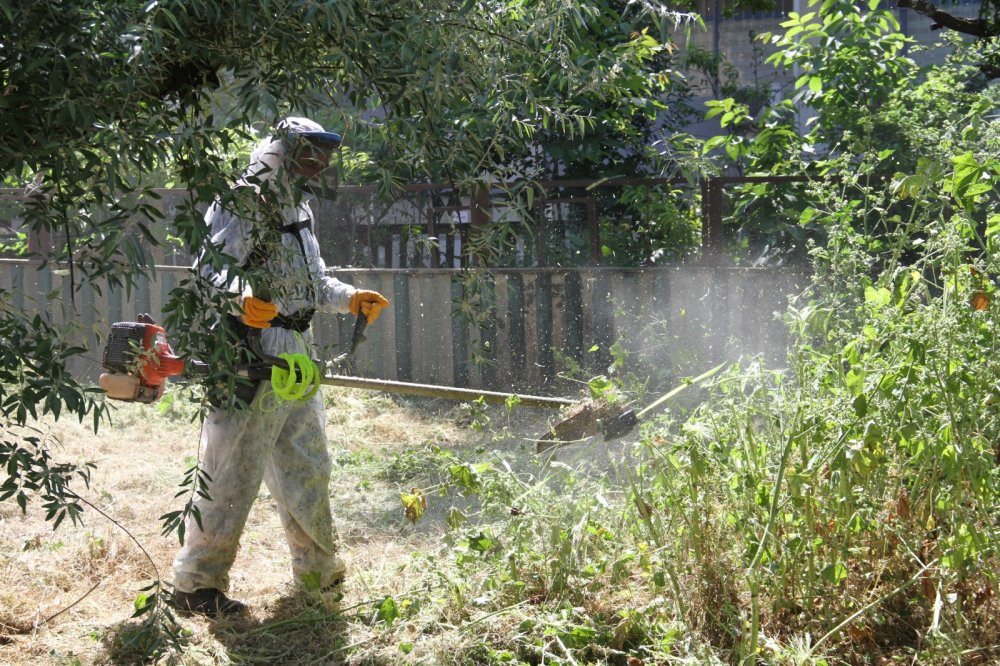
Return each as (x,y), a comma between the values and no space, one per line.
(298,476)
(235,451)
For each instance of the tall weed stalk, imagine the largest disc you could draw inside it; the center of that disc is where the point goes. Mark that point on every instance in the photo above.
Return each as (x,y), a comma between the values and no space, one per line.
(852,496)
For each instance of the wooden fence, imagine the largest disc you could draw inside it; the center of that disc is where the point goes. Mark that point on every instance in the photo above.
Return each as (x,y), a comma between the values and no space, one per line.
(430,225)
(545,324)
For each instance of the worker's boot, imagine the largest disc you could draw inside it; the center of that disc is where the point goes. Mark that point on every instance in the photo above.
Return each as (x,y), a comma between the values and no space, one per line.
(331,594)
(208,602)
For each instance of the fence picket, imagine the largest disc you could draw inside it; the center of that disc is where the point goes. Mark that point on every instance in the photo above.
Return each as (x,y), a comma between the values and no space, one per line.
(506,349)
(543,309)
(459,334)
(418,322)
(441,330)
(401,322)
(383,344)
(529,312)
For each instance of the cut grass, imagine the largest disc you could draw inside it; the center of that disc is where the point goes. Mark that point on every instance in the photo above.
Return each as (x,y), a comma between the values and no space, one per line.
(380,446)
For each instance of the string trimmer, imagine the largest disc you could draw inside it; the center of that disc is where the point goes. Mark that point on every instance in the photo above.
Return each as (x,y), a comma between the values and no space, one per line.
(589,418)
(139,350)
(139,360)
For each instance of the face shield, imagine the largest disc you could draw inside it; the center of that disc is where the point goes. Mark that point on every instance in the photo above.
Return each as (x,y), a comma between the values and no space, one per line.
(311,158)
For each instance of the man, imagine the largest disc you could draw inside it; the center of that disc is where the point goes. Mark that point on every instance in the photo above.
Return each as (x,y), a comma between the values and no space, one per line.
(283,444)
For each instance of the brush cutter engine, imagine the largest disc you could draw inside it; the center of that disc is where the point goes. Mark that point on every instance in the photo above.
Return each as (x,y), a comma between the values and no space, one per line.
(138,360)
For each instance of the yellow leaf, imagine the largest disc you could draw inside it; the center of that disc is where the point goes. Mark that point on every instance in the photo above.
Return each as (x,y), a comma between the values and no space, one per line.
(414,504)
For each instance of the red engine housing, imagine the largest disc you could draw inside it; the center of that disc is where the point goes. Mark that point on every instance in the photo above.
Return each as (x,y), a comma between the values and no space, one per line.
(141,348)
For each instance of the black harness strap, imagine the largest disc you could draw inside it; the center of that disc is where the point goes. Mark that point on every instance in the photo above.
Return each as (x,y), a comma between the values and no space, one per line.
(299,320)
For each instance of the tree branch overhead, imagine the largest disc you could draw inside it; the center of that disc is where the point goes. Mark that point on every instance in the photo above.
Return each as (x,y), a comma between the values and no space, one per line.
(942,19)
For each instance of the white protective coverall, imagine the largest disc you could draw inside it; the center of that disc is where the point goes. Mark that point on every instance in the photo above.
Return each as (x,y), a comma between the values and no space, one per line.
(282,443)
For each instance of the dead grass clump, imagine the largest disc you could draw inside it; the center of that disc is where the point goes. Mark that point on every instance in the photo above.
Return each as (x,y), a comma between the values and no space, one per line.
(381,447)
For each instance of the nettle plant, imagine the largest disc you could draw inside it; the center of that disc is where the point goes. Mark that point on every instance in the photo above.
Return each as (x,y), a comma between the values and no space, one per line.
(851,497)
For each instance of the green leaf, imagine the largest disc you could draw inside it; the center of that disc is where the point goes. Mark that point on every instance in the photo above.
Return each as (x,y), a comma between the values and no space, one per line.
(463,476)
(967,170)
(879,297)
(834,573)
(141,602)
(455,518)
(601,387)
(311,580)
(480,543)
(860,406)
(993,225)
(714,142)
(387,610)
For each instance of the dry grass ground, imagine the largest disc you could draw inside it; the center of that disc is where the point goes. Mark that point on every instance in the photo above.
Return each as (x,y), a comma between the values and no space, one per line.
(376,443)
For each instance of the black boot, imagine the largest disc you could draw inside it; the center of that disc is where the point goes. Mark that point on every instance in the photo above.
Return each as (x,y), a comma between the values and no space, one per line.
(209,602)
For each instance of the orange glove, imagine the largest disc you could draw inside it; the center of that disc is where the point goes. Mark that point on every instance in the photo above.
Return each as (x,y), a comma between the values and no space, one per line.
(258,313)
(369,303)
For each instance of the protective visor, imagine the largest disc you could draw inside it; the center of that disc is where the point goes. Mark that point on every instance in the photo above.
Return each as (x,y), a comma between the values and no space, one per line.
(315,150)
(329,141)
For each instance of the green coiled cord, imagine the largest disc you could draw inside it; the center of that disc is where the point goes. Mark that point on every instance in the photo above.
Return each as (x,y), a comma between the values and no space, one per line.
(286,383)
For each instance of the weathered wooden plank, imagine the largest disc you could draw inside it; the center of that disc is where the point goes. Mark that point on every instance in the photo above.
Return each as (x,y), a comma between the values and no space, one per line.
(401,322)
(31,288)
(440,328)
(459,333)
(661,328)
(46,282)
(114,302)
(501,351)
(382,346)
(345,324)
(633,308)
(430,320)
(155,295)
(514,354)
(573,317)
(428,315)
(488,375)
(88,366)
(545,338)
(723,295)
(65,304)
(557,319)
(7,295)
(730,302)
(418,335)
(650,338)
(603,319)
(7,281)
(168,280)
(141,300)
(689,319)
(623,306)
(529,375)
(18,272)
